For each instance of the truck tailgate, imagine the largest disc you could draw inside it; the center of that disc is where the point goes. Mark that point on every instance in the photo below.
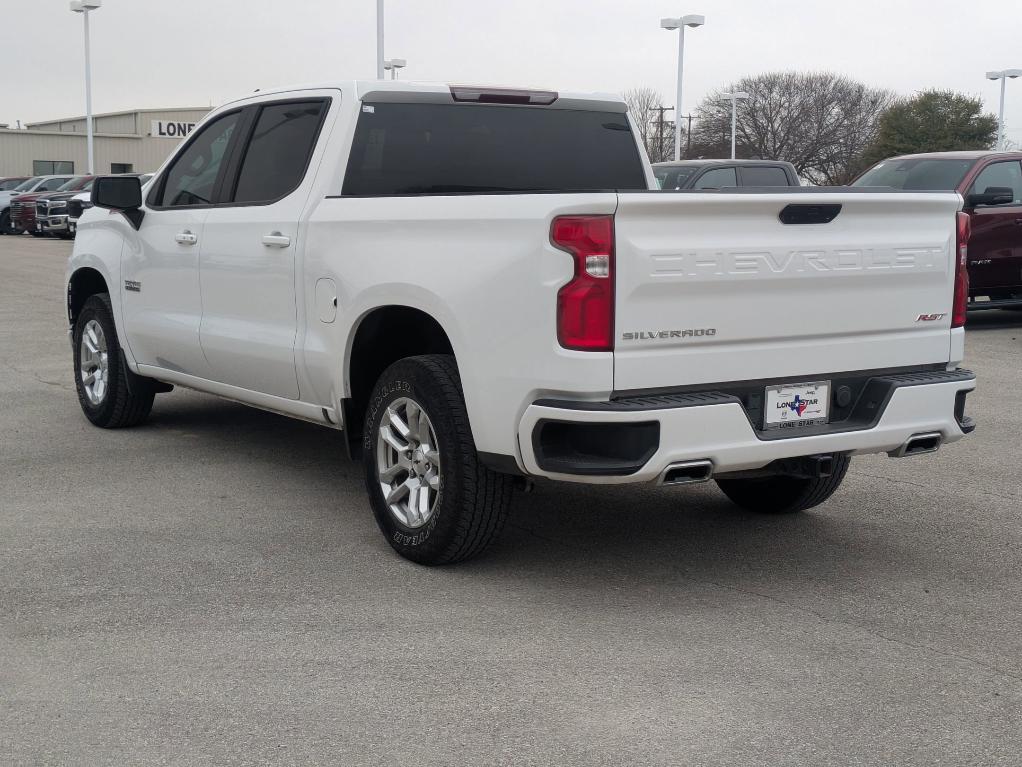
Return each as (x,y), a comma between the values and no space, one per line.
(713,287)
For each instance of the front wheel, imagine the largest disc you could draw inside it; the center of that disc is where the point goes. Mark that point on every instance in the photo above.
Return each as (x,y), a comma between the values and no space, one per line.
(784,494)
(111,396)
(432,498)
(5,223)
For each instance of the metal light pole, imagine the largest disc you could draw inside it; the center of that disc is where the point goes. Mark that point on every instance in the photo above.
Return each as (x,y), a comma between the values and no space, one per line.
(379,39)
(392,65)
(692,20)
(734,115)
(1003,76)
(84,7)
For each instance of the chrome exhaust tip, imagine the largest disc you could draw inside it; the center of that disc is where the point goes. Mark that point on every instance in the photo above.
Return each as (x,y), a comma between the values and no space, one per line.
(919,444)
(687,473)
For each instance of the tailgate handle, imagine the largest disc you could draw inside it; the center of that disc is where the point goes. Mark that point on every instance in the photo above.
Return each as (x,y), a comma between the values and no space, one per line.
(809,214)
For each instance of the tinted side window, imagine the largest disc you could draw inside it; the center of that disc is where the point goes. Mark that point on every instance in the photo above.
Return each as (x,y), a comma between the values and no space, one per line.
(192,176)
(1003,174)
(718,178)
(52,184)
(279,150)
(764,176)
(480,148)
(674,178)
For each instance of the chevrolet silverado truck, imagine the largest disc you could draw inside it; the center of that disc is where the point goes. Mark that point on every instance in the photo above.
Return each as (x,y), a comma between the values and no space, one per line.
(991,185)
(482,286)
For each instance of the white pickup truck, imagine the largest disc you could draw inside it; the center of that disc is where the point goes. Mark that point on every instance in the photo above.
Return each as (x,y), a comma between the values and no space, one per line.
(480,284)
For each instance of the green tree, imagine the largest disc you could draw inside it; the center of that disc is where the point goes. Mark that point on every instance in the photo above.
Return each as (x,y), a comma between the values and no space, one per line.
(933,121)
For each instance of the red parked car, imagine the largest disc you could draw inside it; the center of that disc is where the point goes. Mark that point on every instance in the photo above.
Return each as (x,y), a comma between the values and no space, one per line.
(991,185)
(23,210)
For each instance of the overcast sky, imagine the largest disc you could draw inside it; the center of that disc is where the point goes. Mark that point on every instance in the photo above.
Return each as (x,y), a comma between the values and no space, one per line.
(162,53)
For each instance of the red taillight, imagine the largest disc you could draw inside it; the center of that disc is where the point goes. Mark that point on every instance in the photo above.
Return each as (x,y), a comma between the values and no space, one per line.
(585,306)
(961,300)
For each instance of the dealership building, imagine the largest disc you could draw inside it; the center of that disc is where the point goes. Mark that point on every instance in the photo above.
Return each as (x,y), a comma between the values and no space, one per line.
(125,142)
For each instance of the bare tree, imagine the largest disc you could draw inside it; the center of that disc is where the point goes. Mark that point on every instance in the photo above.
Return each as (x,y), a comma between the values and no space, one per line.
(818,121)
(655,129)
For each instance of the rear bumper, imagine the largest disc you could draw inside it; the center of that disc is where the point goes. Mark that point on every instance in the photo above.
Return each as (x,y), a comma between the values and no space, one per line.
(715,427)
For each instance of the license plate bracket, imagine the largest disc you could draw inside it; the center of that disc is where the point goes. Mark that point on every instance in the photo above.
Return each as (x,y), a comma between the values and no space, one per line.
(796,405)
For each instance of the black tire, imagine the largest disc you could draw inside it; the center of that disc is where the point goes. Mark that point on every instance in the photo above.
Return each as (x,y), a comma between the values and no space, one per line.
(38,234)
(472,502)
(128,398)
(5,223)
(784,494)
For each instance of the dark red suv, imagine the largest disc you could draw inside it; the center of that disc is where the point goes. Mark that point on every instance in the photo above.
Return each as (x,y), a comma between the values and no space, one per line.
(991,185)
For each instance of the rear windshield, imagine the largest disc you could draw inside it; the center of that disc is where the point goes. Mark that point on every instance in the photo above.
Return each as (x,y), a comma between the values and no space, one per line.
(470,148)
(925,174)
(674,178)
(10,183)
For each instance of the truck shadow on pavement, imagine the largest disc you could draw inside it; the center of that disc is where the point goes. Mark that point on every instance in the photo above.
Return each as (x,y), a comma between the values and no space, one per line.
(558,530)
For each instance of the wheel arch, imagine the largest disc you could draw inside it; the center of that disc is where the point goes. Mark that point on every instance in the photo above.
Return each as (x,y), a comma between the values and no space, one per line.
(84,282)
(380,337)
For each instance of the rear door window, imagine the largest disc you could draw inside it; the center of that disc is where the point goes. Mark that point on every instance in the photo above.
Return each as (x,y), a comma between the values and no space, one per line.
(764,175)
(1007,175)
(718,178)
(279,151)
(472,148)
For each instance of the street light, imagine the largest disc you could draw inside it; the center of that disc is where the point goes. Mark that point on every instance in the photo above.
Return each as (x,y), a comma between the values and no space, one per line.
(692,20)
(84,7)
(1003,76)
(734,115)
(392,65)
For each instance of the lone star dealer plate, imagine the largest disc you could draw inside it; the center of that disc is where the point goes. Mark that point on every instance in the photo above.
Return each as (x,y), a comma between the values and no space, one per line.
(795,406)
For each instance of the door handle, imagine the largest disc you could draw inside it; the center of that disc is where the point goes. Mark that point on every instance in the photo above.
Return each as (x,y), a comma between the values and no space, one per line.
(186,238)
(276,240)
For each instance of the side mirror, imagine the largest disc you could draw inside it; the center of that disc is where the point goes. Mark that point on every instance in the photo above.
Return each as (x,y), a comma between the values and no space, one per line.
(992,195)
(120,193)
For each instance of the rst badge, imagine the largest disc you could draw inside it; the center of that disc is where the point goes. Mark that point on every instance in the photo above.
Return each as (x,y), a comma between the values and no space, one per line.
(930,317)
(133,286)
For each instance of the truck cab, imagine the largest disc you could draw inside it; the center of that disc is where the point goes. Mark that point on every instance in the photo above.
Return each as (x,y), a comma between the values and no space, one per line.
(724,174)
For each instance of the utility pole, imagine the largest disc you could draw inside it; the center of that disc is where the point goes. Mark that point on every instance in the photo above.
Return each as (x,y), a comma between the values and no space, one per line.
(660,131)
(688,135)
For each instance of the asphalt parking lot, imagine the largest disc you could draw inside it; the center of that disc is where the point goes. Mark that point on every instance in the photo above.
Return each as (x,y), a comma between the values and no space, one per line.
(210,588)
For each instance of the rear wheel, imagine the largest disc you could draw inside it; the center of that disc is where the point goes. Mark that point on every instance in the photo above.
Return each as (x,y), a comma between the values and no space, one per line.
(785,494)
(111,396)
(432,498)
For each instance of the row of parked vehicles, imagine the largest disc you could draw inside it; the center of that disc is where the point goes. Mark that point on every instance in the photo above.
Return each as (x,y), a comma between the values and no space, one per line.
(45,205)
(990,183)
